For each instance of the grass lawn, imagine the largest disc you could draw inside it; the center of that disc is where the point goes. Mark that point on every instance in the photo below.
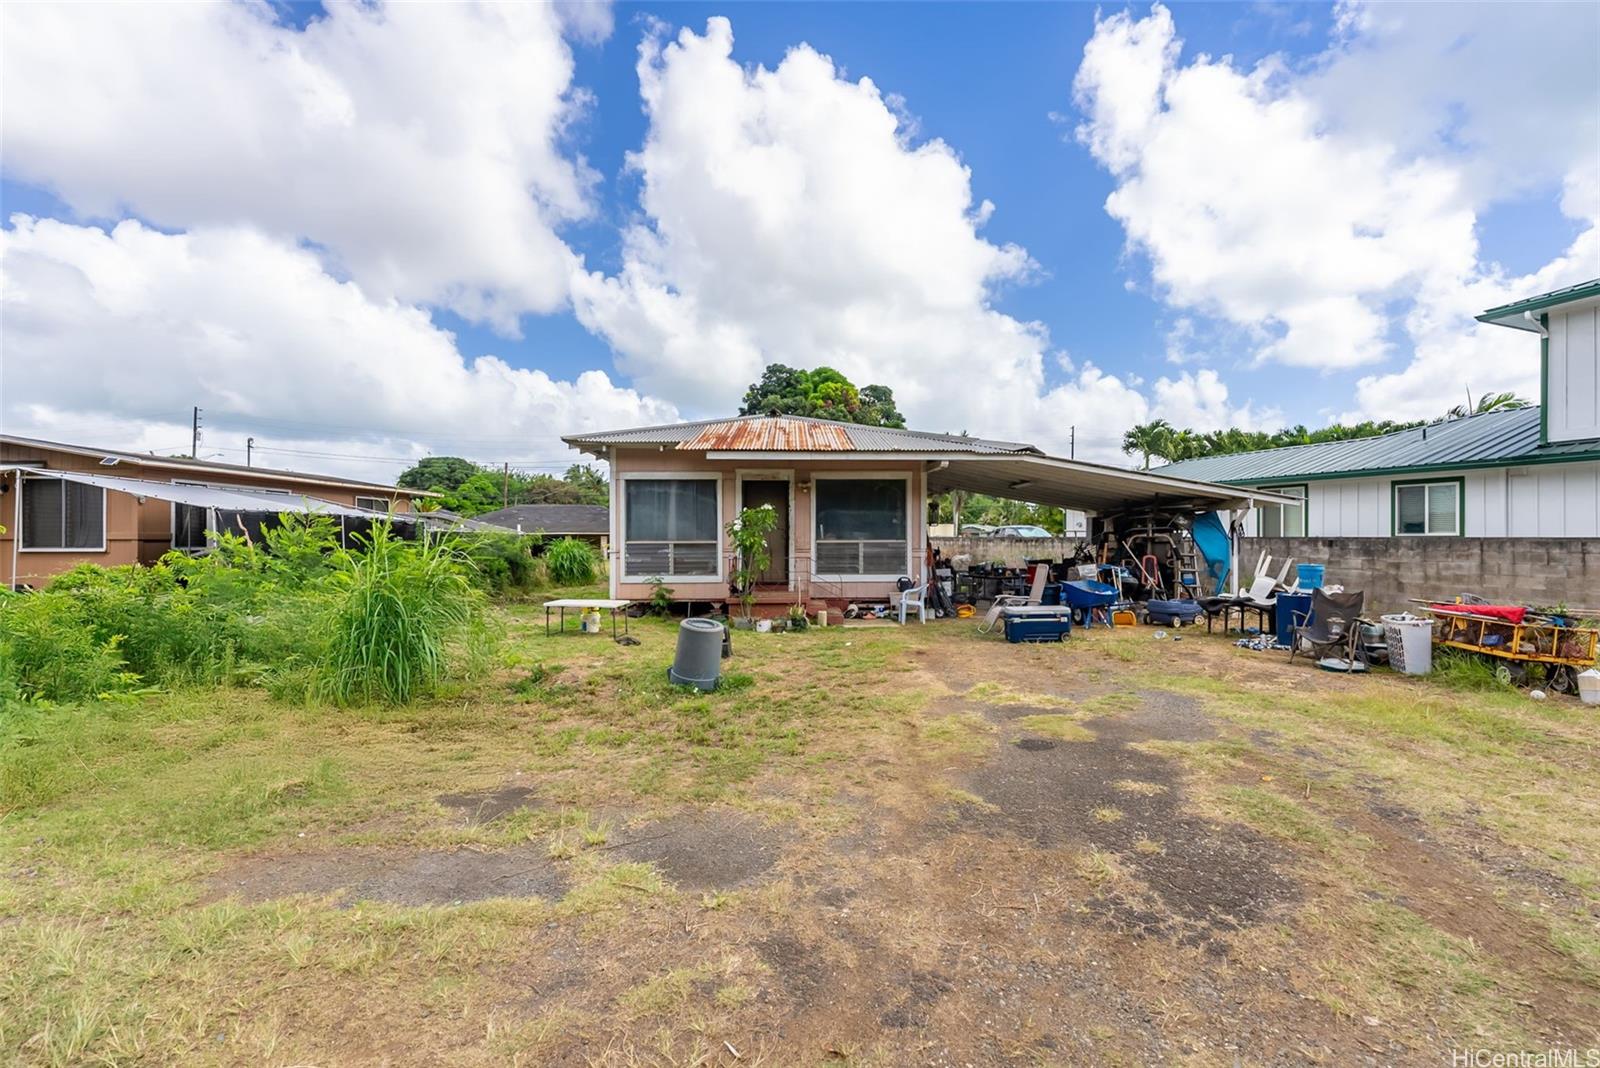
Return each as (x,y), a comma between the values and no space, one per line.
(873,845)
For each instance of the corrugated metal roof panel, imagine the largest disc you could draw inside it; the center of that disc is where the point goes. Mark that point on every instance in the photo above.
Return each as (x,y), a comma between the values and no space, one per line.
(1510,437)
(770,435)
(750,428)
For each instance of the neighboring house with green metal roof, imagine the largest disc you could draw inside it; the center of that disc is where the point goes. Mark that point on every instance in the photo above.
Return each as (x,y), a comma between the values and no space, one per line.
(1529,472)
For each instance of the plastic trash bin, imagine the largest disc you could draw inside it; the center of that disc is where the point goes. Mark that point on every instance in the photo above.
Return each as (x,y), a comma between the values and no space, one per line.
(1410,643)
(1309,576)
(698,661)
(1589,687)
(1292,610)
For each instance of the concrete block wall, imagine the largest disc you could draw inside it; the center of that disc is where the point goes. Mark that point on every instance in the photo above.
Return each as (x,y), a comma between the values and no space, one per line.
(1010,551)
(1542,571)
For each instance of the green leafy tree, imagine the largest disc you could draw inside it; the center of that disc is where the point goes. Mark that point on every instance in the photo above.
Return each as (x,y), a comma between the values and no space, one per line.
(1491,402)
(824,393)
(1148,439)
(438,473)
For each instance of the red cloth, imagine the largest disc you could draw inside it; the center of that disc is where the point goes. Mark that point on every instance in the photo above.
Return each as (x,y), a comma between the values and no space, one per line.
(1509,612)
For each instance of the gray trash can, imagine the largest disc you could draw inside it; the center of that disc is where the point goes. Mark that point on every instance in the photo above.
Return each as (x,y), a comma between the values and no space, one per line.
(698,661)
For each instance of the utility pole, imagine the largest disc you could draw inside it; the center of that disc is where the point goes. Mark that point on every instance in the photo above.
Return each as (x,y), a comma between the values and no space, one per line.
(194,436)
(505,485)
(249,447)
(1072,443)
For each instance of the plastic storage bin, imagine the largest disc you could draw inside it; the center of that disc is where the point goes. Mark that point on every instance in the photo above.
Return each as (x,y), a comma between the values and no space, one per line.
(1410,643)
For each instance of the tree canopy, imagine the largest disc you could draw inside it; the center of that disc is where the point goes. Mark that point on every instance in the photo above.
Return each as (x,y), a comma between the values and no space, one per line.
(823,393)
(471,489)
(1161,440)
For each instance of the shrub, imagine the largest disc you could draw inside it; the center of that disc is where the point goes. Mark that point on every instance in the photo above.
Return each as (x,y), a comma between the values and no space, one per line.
(570,562)
(49,649)
(502,563)
(401,608)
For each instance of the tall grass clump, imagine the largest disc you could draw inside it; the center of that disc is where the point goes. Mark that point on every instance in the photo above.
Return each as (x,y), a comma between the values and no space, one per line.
(570,562)
(1461,670)
(402,611)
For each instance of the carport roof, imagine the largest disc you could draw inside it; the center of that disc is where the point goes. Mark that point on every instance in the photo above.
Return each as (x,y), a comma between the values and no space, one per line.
(1010,469)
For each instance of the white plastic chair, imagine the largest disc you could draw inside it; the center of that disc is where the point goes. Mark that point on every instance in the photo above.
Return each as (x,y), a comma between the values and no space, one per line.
(915,597)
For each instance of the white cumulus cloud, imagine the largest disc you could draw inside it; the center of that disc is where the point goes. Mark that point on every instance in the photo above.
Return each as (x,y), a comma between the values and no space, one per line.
(420,146)
(1331,212)
(102,328)
(789,215)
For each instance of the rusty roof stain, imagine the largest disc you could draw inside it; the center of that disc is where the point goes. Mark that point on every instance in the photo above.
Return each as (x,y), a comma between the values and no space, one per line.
(772,434)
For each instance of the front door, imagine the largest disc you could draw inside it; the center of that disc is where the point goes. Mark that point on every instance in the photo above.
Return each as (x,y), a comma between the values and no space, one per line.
(757,493)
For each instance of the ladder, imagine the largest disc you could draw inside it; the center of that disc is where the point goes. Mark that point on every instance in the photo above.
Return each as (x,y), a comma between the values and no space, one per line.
(1188,568)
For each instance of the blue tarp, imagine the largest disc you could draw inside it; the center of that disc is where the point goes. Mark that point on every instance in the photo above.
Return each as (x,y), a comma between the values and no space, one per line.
(1211,538)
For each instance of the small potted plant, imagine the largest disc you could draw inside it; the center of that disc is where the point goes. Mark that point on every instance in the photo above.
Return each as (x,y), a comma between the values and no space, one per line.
(797,618)
(748,533)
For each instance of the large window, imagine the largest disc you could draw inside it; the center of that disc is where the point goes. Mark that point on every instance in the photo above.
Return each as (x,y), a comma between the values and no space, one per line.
(62,515)
(375,504)
(861,526)
(1283,520)
(670,527)
(1427,508)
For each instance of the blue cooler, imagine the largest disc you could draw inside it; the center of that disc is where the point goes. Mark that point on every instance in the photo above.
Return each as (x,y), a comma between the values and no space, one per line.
(1035,623)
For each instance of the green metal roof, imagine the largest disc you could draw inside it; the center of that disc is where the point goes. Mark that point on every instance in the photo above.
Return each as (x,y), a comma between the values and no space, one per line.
(1494,439)
(1511,314)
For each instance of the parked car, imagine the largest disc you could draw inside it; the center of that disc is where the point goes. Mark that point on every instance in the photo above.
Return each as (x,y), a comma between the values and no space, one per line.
(1022,530)
(977,530)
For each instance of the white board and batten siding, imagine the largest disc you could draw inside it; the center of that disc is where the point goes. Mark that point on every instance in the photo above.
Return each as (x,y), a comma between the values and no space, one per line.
(1572,374)
(1534,501)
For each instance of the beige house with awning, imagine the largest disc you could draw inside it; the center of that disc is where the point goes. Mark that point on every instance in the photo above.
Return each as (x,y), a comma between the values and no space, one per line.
(852,500)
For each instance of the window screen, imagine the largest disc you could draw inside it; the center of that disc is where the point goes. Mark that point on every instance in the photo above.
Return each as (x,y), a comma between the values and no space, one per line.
(1428,509)
(861,526)
(57,514)
(671,527)
(189,525)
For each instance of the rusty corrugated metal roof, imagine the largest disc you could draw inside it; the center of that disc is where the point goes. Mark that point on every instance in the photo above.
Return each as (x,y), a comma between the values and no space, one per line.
(856,436)
(777,434)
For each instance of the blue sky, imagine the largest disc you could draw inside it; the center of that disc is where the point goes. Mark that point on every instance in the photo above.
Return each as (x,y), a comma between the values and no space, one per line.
(1203,301)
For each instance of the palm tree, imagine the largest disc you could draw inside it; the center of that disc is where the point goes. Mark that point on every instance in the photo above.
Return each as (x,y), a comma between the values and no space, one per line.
(1490,402)
(1150,439)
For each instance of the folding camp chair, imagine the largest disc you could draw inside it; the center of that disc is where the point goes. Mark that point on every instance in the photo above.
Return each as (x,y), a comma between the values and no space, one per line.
(1334,626)
(1041,575)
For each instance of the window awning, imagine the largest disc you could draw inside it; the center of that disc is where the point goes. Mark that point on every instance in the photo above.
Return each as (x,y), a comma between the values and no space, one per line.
(227,499)
(1084,486)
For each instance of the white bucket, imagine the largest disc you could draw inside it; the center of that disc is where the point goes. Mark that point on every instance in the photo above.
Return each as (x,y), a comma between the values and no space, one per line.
(1589,687)
(591,622)
(763,626)
(1410,643)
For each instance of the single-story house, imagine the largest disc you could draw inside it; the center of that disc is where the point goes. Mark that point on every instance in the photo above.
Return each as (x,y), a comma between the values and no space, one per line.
(1523,484)
(586,522)
(852,500)
(63,505)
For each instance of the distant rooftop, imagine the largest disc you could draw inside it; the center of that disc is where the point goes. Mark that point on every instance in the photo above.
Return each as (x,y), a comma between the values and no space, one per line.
(553,519)
(1512,314)
(1493,439)
(184,463)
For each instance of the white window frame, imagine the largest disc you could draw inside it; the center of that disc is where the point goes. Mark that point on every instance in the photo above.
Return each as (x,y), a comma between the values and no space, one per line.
(774,474)
(1305,509)
(859,476)
(22,484)
(622,525)
(1427,488)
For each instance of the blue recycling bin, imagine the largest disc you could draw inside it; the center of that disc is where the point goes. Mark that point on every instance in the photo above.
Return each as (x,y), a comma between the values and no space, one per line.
(1292,609)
